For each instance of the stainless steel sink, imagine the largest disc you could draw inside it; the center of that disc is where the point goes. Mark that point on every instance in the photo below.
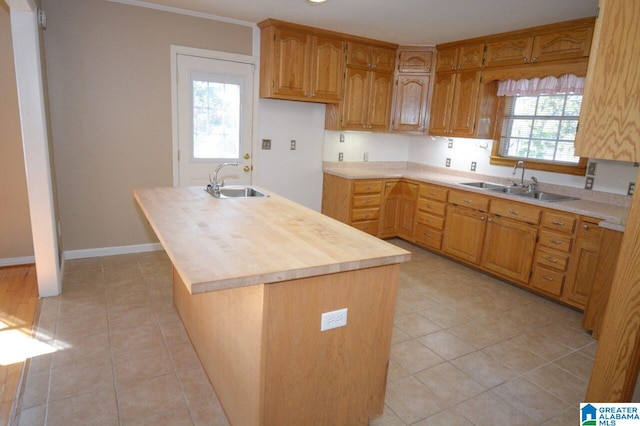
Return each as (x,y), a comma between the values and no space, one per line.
(236,191)
(538,195)
(483,185)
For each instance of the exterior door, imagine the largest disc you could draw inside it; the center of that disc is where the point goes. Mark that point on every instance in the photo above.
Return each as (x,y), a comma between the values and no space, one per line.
(215,119)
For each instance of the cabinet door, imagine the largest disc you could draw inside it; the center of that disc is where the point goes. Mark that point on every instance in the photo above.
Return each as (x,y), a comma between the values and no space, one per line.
(514,51)
(464,104)
(583,264)
(292,63)
(383,59)
(379,101)
(410,103)
(575,43)
(358,54)
(327,69)
(407,210)
(464,233)
(447,60)
(470,56)
(508,248)
(356,99)
(608,119)
(415,61)
(390,208)
(441,103)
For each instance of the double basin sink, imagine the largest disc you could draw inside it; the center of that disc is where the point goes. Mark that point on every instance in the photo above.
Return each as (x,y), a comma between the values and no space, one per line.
(520,192)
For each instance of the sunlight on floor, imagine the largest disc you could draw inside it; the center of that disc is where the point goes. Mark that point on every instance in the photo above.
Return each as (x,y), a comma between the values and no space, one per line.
(18,345)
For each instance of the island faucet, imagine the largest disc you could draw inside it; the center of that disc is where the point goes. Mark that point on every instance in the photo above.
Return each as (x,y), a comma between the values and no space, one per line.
(513,182)
(214,182)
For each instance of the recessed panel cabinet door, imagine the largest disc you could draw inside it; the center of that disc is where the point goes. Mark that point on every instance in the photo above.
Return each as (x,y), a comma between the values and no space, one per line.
(465,102)
(410,110)
(356,101)
(327,63)
(380,101)
(441,103)
(575,43)
(464,233)
(514,51)
(292,59)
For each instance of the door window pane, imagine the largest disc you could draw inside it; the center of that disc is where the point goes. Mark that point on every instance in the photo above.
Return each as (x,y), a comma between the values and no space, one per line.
(216,120)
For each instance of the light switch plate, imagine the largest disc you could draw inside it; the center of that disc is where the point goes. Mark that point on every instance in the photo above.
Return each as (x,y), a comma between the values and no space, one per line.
(341,137)
(333,319)
(266,143)
(591,168)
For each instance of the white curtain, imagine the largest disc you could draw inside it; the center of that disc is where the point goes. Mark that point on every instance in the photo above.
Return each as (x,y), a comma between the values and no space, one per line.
(567,83)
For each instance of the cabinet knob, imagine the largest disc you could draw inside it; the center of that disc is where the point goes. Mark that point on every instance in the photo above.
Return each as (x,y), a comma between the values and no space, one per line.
(306,93)
(482,218)
(585,227)
(534,59)
(489,220)
(526,60)
(453,68)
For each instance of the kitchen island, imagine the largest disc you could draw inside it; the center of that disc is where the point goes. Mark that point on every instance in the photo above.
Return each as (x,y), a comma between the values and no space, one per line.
(252,277)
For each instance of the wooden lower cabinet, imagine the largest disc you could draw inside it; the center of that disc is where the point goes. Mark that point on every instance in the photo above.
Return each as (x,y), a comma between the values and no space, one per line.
(464,233)
(508,248)
(406,217)
(392,197)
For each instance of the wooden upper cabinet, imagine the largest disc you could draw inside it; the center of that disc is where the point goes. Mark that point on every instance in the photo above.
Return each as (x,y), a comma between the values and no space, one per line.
(442,100)
(297,64)
(460,58)
(415,60)
(367,100)
(369,56)
(558,45)
(609,116)
(465,100)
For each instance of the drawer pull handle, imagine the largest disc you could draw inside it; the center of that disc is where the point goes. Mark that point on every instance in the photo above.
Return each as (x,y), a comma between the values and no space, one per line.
(368,201)
(514,212)
(468,201)
(432,193)
(428,220)
(366,216)
(551,259)
(547,278)
(557,222)
(555,241)
(430,206)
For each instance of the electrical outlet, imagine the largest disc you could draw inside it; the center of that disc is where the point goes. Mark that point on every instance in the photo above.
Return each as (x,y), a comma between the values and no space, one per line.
(588,184)
(632,188)
(473,166)
(341,137)
(266,143)
(293,145)
(333,319)
(450,144)
(340,156)
(365,157)
(591,168)
(448,162)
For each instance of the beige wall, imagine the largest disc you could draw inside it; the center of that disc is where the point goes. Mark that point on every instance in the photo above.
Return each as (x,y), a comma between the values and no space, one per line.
(15,226)
(108,68)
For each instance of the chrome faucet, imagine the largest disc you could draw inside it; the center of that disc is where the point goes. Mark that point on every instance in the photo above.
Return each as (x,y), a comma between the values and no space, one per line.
(215,186)
(513,182)
(533,186)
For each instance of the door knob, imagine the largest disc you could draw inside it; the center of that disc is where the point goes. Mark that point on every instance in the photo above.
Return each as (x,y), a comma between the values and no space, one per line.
(246,168)
(246,156)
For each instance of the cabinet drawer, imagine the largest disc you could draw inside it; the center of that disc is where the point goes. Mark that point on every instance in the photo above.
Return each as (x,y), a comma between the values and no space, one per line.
(366,200)
(589,230)
(369,226)
(523,212)
(555,241)
(558,222)
(428,236)
(431,206)
(367,186)
(468,199)
(436,222)
(552,258)
(365,214)
(433,192)
(547,280)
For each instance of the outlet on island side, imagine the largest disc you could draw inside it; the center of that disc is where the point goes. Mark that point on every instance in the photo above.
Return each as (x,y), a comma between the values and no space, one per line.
(333,319)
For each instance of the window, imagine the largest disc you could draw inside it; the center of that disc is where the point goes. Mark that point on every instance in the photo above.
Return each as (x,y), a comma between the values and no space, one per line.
(541,127)
(539,124)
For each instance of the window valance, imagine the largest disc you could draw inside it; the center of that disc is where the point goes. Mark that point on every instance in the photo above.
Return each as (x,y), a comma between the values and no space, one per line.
(567,83)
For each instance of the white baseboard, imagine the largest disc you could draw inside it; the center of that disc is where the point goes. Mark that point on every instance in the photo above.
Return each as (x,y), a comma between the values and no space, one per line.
(13,261)
(111,251)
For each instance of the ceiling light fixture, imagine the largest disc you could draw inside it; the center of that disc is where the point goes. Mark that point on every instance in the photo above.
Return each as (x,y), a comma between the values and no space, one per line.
(315,1)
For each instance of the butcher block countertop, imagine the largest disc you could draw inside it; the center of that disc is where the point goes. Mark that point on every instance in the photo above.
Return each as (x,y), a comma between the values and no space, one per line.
(217,244)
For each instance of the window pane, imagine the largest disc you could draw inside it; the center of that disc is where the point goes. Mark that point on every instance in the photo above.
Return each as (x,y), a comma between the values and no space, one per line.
(566,152)
(216,120)
(546,129)
(572,108)
(518,148)
(525,105)
(551,105)
(521,128)
(568,130)
(542,150)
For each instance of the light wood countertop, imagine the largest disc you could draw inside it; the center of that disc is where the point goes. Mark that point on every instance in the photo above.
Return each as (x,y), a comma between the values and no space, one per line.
(217,244)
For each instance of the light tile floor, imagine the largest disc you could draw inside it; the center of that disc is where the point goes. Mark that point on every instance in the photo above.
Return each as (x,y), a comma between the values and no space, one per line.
(466,349)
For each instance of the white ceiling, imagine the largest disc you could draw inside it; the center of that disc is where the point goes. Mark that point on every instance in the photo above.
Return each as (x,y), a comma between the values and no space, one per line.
(404,22)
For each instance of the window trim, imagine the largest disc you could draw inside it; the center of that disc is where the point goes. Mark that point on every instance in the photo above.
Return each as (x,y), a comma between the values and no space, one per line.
(578,169)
